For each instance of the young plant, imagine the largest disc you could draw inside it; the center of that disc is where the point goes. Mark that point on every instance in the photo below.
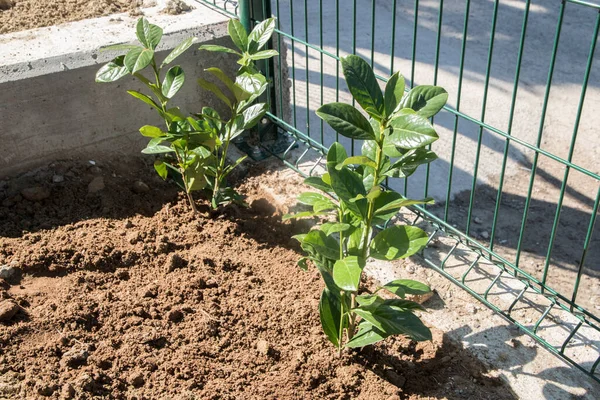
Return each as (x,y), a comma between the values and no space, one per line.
(192,149)
(353,202)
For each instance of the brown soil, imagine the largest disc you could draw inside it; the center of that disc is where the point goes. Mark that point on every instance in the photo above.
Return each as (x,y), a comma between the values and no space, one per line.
(19,15)
(126,294)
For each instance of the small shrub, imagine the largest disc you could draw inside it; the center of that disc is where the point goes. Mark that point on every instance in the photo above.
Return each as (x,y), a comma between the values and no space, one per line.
(193,148)
(354,203)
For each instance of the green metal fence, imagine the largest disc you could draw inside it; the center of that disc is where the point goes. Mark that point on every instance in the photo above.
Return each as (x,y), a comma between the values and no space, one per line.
(517,184)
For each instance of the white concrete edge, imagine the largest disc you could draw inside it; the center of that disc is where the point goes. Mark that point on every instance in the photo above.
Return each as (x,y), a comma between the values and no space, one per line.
(76,44)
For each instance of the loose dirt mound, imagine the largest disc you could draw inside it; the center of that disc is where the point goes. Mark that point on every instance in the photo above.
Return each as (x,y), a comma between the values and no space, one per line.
(126,294)
(19,15)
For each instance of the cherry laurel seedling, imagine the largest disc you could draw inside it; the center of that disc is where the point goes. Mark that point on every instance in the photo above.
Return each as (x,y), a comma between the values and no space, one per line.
(193,149)
(396,137)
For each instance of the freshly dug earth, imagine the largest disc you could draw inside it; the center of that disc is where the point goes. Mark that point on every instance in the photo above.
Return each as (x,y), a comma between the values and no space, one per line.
(123,293)
(19,15)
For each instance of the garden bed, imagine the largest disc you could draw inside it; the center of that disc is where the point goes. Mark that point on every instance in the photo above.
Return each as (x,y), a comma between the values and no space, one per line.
(124,293)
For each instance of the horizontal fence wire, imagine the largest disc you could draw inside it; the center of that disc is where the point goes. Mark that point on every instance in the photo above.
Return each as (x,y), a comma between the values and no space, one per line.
(522,80)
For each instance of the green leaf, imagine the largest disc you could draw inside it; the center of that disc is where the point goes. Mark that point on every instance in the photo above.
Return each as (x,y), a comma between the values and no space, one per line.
(330,228)
(262,33)
(148,34)
(303,214)
(330,313)
(346,120)
(120,46)
(154,147)
(137,59)
(400,287)
(398,242)
(237,91)
(302,264)
(310,198)
(173,81)
(394,92)
(363,85)
(317,183)
(396,204)
(254,84)
(367,334)
(112,71)
(161,169)
(179,50)
(326,246)
(408,163)
(238,34)
(261,55)
(425,100)
(215,89)
(360,160)
(144,98)
(151,131)
(347,272)
(325,205)
(218,49)
(392,321)
(253,114)
(347,185)
(411,131)
(336,155)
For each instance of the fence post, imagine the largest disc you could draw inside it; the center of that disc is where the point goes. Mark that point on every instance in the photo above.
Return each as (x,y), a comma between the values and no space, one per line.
(245,13)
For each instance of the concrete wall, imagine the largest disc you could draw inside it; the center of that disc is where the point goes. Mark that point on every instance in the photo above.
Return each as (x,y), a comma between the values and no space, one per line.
(51,108)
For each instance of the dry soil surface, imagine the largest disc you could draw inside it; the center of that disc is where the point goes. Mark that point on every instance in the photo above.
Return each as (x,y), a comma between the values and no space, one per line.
(122,292)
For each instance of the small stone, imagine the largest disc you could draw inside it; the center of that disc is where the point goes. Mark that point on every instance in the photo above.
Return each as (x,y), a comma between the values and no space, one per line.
(410,269)
(140,187)
(96,185)
(395,378)
(471,309)
(175,316)
(394,397)
(75,357)
(8,309)
(151,291)
(92,162)
(95,170)
(246,271)
(262,346)
(127,224)
(45,389)
(477,220)
(35,193)
(10,272)
(136,380)
(484,235)
(58,179)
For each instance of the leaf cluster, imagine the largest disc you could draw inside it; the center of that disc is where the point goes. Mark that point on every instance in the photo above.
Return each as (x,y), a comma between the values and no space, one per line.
(396,134)
(192,149)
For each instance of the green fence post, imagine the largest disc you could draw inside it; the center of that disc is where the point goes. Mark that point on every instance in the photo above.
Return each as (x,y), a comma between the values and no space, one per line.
(245,14)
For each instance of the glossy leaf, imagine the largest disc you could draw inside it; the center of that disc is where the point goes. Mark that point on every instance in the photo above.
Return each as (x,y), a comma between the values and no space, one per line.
(112,71)
(161,169)
(218,49)
(137,59)
(324,245)
(120,46)
(359,160)
(392,321)
(363,85)
(401,287)
(144,98)
(330,313)
(396,204)
(336,155)
(394,92)
(173,81)
(148,34)
(426,100)
(215,90)
(317,183)
(262,32)
(347,272)
(367,334)
(179,50)
(237,91)
(151,131)
(154,147)
(331,228)
(411,131)
(238,34)
(252,83)
(253,114)
(262,55)
(310,198)
(408,163)
(346,120)
(398,242)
